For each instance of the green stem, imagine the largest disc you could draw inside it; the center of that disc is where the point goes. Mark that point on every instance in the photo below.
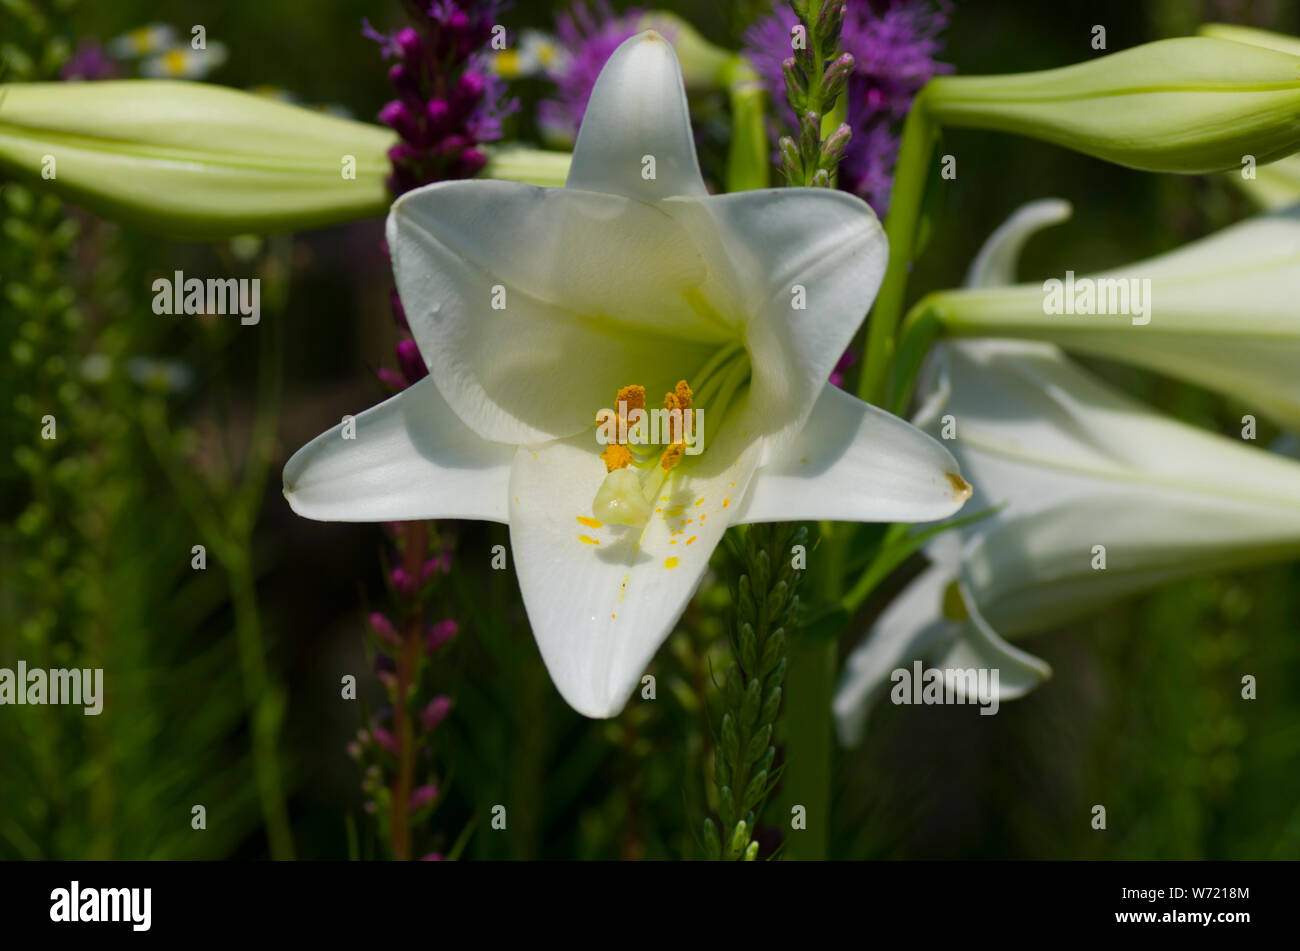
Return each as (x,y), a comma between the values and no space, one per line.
(265,704)
(919,137)
(748,158)
(806,777)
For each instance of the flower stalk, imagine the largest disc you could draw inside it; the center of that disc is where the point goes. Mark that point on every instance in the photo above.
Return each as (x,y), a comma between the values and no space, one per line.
(765,606)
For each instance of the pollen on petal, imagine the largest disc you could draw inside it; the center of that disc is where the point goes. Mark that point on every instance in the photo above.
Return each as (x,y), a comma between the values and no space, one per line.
(589,521)
(616,456)
(588,540)
(671,562)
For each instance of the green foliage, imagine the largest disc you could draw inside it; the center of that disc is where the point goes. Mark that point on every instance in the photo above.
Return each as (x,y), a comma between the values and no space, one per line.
(764,612)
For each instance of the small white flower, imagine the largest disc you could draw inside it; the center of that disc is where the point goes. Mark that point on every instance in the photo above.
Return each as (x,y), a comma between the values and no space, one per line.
(184,62)
(142,41)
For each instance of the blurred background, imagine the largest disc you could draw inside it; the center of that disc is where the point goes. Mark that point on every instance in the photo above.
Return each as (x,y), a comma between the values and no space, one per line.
(223,684)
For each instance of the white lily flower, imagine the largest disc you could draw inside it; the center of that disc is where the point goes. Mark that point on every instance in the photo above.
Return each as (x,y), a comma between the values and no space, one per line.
(1074,464)
(631,274)
(1220,312)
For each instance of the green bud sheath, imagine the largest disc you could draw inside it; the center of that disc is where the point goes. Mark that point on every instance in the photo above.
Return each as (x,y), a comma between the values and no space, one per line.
(1190,105)
(193,159)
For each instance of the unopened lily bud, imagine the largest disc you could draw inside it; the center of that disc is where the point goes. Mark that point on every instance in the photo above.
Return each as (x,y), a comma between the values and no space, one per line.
(194,159)
(1190,105)
(1253,36)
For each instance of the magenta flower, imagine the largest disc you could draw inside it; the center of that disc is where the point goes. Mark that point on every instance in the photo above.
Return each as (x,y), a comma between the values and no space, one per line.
(588,37)
(448,103)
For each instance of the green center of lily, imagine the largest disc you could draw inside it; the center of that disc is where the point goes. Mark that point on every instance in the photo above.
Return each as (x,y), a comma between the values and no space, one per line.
(644,448)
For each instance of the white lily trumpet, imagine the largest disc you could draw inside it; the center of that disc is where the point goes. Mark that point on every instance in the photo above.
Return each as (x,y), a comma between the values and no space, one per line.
(535,308)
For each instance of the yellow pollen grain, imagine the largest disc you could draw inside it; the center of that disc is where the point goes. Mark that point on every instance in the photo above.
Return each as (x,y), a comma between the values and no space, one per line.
(633,396)
(699,501)
(589,521)
(671,562)
(691,539)
(672,455)
(616,456)
(588,540)
(726,502)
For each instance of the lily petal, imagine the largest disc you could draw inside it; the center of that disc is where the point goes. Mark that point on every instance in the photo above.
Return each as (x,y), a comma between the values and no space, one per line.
(411,458)
(807,263)
(602,599)
(980,647)
(638,111)
(910,628)
(533,306)
(1057,445)
(995,264)
(854,462)
(916,627)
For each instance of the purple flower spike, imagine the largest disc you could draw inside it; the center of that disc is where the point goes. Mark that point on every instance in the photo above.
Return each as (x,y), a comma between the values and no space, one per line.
(437,711)
(384,629)
(410,361)
(446,106)
(422,796)
(589,37)
(384,740)
(894,54)
(439,634)
(402,582)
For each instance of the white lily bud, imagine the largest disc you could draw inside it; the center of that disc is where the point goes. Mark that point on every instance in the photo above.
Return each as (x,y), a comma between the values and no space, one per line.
(1220,312)
(1193,104)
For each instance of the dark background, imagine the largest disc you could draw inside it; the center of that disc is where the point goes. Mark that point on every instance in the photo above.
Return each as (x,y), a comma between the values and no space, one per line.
(1143,715)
